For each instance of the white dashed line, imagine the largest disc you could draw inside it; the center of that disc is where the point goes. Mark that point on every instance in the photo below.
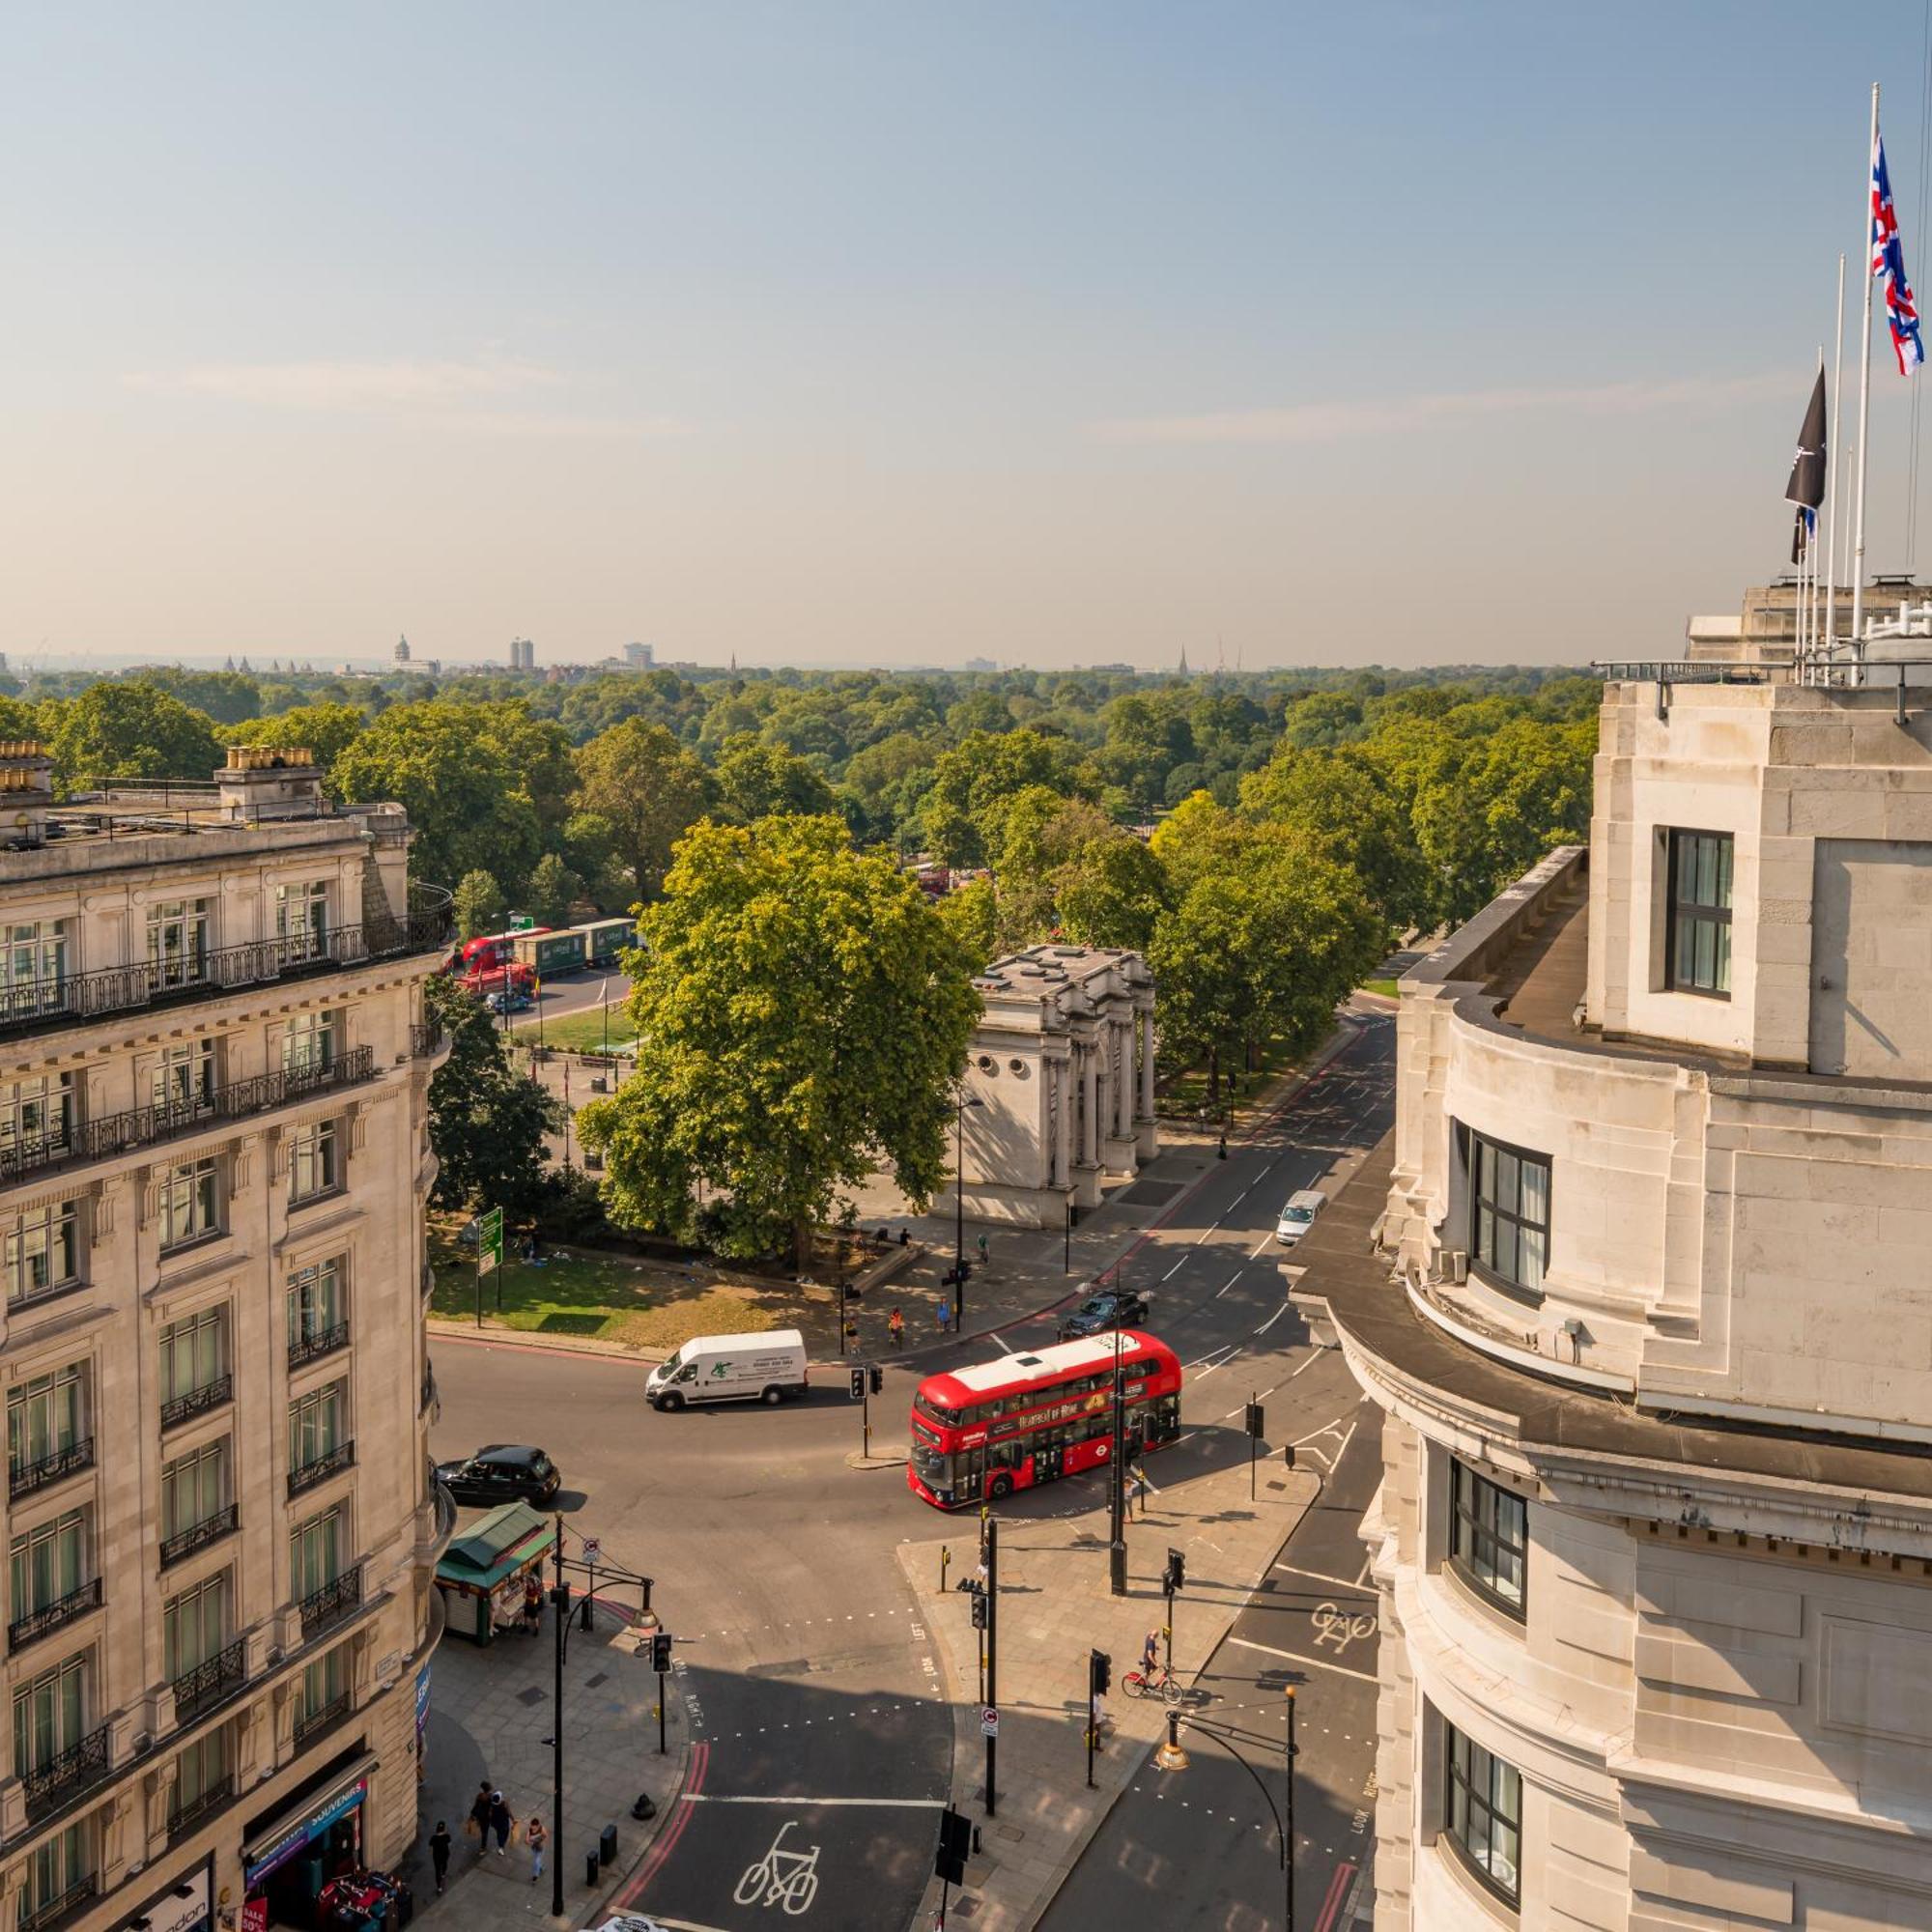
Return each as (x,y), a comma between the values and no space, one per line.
(1228,1284)
(1176,1269)
(1272,1320)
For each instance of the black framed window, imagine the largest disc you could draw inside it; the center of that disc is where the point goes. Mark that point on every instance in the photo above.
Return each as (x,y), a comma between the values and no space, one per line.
(1697,940)
(1483,1815)
(1509,1211)
(1489,1536)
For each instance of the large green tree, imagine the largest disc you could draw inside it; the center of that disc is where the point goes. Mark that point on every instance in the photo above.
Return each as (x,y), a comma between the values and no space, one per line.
(802,1016)
(133,731)
(757,780)
(646,791)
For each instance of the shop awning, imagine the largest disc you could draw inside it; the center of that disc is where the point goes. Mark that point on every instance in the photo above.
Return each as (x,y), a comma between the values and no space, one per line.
(495,1547)
(287,1835)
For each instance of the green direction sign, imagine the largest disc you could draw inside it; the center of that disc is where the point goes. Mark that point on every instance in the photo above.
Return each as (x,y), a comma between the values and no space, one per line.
(490,1241)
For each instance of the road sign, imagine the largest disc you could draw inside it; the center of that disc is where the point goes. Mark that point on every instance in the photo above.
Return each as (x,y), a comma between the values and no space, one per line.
(490,1241)
(989,1722)
(592,1549)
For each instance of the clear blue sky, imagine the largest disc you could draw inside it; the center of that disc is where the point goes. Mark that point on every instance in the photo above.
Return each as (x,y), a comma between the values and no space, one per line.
(900,333)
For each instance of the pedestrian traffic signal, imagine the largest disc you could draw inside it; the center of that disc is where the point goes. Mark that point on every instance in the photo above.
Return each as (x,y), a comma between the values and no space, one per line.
(1256,1420)
(1100,1672)
(857,1385)
(660,1650)
(979,1609)
(876,1376)
(1174,1579)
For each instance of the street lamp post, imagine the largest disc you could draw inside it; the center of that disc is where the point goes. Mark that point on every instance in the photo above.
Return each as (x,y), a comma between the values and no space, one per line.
(561,1598)
(962,1101)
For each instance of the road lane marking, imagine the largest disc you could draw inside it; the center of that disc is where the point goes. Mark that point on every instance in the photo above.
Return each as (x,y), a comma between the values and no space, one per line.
(1272,1320)
(1261,1245)
(760,1798)
(1176,1269)
(1312,1662)
(1318,1575)
(1228,1284)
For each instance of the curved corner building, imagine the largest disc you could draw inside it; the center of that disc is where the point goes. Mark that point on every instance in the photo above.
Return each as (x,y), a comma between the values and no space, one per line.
(1649,1312)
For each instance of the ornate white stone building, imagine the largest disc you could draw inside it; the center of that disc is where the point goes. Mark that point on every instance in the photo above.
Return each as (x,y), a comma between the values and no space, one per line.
(1648,1304)
(1059,1082)
(220,1518)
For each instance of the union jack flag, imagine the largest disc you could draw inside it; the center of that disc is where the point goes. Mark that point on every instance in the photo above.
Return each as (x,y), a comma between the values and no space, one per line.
(1887,259)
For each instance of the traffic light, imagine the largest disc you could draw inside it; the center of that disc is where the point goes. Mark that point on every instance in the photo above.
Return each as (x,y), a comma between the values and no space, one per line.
(1174,1579)
(955,1841)
(857,1385)
(1100,1672)
(1257,1423)
(660,1650)
(979,1609)
(877,1377)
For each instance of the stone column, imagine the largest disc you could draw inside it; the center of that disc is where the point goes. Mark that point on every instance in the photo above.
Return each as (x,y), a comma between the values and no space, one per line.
(1146,1031)
(1089,1106)
(1123,1087)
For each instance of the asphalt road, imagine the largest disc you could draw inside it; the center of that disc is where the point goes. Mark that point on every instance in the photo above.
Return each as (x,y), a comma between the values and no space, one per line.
(823,1749)
(1198,1850)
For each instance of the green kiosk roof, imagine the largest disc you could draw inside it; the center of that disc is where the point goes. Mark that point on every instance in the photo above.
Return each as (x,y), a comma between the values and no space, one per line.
(494,1545)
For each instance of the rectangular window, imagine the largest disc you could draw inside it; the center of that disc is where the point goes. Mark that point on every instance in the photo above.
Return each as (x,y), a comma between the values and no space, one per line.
(313,1553)
(1489,1535)
(193,1489)
(34,966)
(178,941)
(194,1353)
(1509,1232)
(49,1714)
(201,1773)
(60,1873)
(48,1564)
(314,1166)
(194,1625)
(1697,940)
(43,1252)
(315,1425)
(190,1203)
(301,919)
(184,1081)
(312,1041)
(315,1301)
(45,1417)
(1484,1814)
(36,1119)
(321,1689)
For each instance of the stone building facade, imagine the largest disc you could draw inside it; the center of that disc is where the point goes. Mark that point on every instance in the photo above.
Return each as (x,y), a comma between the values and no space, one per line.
(213,1161)
(1649,1308)
(1059,1082)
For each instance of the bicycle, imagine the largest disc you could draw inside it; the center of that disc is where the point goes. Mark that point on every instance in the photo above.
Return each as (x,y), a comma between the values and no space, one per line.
(1163,1683)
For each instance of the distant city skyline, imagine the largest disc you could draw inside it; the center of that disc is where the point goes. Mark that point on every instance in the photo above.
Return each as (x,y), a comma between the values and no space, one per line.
(862,334)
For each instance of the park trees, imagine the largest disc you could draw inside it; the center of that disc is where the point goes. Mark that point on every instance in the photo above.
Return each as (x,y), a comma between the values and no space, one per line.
(757,780)
(644,789)
(802,1016)
(132,730)
(325,729)
(479,904)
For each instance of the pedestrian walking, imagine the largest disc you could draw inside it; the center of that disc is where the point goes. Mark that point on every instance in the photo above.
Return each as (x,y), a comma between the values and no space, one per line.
(1137,1488)
(532,1604)
(943,1315)
(439,1854)
(1150,1653)
(534,1832)
(477,1825)
(895,1323)
(501,1823)
(983,1250)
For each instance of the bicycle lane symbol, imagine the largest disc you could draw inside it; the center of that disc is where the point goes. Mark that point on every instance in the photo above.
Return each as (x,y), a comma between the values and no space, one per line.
(1336,1629)
(781,1877)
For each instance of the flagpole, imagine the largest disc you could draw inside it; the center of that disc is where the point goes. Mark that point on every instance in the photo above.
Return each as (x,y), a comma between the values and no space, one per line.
(1864,406)
(1836,430)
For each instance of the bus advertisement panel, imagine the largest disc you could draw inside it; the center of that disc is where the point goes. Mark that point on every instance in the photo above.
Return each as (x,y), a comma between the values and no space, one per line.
(1023,1420)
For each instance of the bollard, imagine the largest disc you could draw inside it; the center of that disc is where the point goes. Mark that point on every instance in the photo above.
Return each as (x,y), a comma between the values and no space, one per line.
(590,1867)
(607,1847)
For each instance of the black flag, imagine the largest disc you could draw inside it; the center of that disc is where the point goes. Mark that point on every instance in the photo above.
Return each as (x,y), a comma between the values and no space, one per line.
(1806,488)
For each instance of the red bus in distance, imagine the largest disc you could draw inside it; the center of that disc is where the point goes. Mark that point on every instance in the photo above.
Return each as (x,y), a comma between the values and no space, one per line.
(1022,1420)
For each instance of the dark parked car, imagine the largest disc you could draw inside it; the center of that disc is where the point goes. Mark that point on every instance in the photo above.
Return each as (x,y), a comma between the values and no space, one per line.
(1117,1308)
(501,1475)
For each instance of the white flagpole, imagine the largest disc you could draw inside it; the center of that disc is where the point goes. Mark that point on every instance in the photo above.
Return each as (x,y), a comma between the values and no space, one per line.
(1832,469)
(1865,407)
(1815,609)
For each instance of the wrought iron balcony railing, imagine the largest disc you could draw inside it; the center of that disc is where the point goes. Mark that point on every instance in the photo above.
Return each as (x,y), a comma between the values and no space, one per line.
(45,1917)
(324,1608)
(185,1818)
(197,1402)
(306,1475)
(24,1478)
(424,1039)
(24,1629)
(205,1685)
(65,1775)
(320,1719)
(198,1535)
(322,1341)
(169,1120)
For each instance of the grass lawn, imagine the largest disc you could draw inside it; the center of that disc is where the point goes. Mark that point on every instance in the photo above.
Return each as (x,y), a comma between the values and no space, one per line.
(1385,987)
(601,1298)
(579,1032)
(1188,1090)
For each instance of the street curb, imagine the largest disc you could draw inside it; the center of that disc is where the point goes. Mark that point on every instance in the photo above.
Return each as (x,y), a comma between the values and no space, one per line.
(654,1830)
(856,1461)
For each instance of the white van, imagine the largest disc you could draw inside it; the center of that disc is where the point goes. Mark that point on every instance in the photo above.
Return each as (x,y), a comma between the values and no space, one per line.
(1298,1216)
(730,1368)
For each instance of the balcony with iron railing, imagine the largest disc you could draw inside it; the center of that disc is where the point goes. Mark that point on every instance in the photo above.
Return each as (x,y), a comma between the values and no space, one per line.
(312,1724)
(197,1402)
(426,1038)
(84,1141)
(319,1469)
(199,1534)
(71,997)
(185,1820)
(23,1479)
(209,1683)
(59,1909)
(66,1775)
(324,1608)
(36,1624)
(320,1342)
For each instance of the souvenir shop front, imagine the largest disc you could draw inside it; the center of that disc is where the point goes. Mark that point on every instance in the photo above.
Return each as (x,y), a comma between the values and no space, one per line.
(303,1866)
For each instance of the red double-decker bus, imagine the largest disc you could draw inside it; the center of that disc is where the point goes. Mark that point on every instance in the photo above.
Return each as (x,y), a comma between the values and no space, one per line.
(1010,1423)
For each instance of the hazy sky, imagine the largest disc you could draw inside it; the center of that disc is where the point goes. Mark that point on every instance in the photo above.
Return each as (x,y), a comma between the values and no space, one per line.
(904,333)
